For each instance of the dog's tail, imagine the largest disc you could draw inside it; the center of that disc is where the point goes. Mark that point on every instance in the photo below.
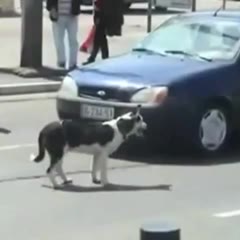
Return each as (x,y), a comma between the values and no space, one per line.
(41,150)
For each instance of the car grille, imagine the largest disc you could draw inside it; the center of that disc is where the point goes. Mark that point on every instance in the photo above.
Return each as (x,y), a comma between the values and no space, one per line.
(110,94)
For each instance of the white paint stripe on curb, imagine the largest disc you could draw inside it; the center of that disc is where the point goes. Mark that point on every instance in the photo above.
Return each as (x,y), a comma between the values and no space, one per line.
(28,97)
(29,83)
(228,214)
(12,147)
(26,88)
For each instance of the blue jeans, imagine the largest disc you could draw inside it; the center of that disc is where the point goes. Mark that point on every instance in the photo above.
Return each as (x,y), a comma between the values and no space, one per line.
(66,24)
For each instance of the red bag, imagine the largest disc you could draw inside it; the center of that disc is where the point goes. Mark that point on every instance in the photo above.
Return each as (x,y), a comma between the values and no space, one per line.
(87,45)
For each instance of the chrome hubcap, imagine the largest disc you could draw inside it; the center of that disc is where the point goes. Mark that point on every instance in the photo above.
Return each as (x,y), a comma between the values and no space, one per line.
(213,129)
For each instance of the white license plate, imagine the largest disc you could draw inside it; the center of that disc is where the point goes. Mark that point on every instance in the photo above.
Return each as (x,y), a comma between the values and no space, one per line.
(97,112)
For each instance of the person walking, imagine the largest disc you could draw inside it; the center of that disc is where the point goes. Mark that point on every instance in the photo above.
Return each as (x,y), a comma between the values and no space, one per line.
(64,17)
(108,21)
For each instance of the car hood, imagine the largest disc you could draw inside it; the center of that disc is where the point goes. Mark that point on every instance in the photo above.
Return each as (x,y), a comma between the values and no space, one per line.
(137,70)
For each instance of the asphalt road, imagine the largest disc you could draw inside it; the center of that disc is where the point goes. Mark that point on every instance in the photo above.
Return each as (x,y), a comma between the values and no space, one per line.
(190,195)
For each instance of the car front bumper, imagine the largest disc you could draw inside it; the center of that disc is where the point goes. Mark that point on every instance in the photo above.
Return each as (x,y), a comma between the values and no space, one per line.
(71,108)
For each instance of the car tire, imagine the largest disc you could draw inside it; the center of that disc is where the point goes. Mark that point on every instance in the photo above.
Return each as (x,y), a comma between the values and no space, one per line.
(212,131)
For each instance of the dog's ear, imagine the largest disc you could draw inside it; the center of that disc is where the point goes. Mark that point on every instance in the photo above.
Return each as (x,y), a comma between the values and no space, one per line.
(137,110)
(125,126)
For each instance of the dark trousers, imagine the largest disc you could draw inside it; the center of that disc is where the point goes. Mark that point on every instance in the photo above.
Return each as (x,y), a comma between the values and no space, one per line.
(100,41)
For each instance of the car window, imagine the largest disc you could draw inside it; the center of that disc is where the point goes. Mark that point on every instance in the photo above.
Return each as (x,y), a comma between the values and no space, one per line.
(217,39)
(169,38)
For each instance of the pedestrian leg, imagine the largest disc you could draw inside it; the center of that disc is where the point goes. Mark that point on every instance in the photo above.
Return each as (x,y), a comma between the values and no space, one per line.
(59,28)
(72,29)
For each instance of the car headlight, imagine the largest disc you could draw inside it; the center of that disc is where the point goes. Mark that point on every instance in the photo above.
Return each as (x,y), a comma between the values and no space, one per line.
(150,95)
(68,87)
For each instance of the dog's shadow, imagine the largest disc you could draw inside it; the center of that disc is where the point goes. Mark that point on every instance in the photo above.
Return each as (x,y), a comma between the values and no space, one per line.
(110,188)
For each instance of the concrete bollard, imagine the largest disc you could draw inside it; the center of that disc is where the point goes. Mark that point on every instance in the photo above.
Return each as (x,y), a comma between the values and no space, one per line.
(158,230)
(7,6)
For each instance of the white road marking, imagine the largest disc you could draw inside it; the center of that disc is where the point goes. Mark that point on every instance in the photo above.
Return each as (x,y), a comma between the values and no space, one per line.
(11,147)
(228,214)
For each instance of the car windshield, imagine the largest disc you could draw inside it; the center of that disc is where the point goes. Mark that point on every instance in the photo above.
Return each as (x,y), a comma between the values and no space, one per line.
(207,40)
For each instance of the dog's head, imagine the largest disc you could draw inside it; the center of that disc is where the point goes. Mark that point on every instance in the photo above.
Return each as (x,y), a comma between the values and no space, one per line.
(131,123)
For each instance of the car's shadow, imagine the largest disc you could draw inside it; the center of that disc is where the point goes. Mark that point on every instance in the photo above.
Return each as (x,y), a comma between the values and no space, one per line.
(144,155)
(111,187)
(144,158)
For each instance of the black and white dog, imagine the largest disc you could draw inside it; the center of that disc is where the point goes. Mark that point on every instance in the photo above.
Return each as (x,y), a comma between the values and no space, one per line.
(98,139)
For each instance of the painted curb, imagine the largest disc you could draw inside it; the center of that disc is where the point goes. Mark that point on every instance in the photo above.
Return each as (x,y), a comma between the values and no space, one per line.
(29,88)
(28,97)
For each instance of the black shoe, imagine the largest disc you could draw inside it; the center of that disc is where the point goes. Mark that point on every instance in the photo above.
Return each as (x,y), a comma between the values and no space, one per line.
(88,62)
(72,67)
(61,64)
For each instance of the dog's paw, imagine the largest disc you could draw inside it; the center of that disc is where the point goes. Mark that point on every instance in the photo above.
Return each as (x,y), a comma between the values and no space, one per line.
(96,181)
(56,187)
(105,183)
(68,182)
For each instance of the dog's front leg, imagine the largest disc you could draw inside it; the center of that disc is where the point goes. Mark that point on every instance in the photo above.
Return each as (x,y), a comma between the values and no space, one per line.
(103,161)
(95,168)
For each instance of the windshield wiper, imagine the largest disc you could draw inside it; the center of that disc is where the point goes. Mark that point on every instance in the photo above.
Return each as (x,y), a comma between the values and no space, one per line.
(147,50)
(188,54)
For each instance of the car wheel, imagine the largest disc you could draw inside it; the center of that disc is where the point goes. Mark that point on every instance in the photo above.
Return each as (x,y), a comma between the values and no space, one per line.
(213,131)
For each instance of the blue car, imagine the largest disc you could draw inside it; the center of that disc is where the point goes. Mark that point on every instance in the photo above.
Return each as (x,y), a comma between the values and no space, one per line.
(185,74)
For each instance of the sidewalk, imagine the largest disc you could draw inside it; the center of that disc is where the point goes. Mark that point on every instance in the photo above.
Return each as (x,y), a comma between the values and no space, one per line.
(10,41)
(15,85)
(134,29)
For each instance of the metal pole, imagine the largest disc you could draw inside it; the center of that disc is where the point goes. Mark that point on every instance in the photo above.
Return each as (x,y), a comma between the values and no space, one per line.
(31,34)
(194,5)
(149,16)
(224,4)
